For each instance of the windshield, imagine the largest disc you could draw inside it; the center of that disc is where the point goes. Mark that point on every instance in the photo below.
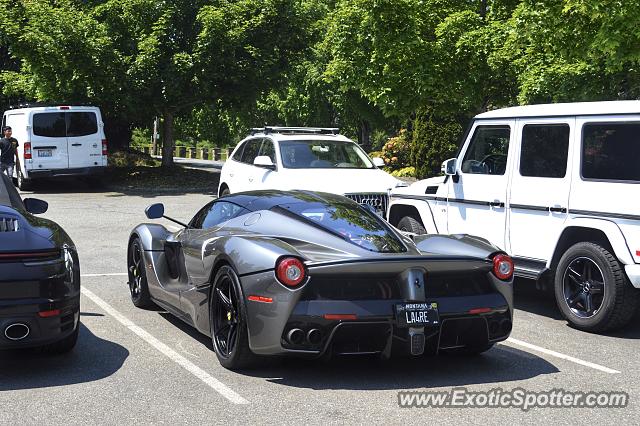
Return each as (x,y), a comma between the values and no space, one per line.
(349,221)
(323,154)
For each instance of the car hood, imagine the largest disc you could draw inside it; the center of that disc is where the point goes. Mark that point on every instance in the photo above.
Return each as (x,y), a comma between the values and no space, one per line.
(339,180)
(424,186)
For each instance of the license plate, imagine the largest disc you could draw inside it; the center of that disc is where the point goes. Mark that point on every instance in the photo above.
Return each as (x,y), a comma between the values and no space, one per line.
(45,153)
(417,314)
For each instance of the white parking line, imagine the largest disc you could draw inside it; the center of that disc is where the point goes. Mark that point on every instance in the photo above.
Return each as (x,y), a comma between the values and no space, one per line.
(117,274)
(212,382)
(561,356)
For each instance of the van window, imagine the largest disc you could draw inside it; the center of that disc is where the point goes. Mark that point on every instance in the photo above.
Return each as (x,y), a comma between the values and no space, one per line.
(545,149)
(81,124)
(487,152)
(610,151)
(50,124)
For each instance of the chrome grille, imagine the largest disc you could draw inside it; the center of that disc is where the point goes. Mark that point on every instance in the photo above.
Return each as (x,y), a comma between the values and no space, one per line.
(379,201)
(8,224)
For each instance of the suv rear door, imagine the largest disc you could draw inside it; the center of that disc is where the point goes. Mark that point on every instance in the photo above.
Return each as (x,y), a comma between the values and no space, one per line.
(49,140)
(539,193)
(83,139)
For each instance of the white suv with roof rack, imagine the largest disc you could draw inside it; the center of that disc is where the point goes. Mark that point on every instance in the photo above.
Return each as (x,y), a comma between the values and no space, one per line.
(316,159)
(558,187)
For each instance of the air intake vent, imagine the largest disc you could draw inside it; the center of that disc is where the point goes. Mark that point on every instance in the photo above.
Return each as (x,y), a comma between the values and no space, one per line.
(8,224)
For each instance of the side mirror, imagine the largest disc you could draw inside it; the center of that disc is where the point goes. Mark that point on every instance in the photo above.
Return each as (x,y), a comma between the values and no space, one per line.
(449,167)
(154,211)
(378,162)
(35,206)
(264,161)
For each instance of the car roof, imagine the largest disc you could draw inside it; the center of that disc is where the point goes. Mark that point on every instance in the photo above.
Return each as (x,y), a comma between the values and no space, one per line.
(267,199)
(52,109)
(8,194)
(565,109)
(301,137)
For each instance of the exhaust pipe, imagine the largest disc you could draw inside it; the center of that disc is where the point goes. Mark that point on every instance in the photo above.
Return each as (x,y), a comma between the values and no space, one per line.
(314,336)
(295,336)
(16,331)
(505,326)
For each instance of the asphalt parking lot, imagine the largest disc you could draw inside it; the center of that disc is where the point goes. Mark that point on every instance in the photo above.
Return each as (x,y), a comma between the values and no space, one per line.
(136,366)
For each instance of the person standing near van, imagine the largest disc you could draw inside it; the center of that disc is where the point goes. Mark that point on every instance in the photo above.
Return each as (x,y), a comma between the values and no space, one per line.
(8,152)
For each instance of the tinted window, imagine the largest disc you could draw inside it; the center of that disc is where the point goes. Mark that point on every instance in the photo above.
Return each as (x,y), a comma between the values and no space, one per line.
(251,150)
(323,154)
(237,155)
(610,151)
(544,150)
(50,124)
(81,123)
(215,214)
(487,152)
(268,150)
(349,221)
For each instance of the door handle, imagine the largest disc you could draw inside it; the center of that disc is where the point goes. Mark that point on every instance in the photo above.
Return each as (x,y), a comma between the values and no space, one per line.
(558,209)
(496,203)
(76,144)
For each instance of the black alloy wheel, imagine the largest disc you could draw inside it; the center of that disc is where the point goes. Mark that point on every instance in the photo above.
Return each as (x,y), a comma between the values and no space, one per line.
(138,286)
(583,287)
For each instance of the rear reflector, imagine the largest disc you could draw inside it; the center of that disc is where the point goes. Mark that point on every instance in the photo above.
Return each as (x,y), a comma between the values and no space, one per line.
(480,310)
(27,150)
(47,314)
(637,252)
(260,299)
(337,317)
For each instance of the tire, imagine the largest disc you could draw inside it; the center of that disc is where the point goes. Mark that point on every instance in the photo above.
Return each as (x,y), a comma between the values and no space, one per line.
(410,224)
(63,346)
(24,184)
(138,284)
(228,321)
(224,192)
(592,291)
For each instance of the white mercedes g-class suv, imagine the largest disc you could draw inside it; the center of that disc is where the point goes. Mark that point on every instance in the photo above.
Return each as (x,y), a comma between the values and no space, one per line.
(558,187)
(308,158)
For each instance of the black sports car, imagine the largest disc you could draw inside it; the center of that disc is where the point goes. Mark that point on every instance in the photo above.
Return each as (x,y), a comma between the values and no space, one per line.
(39,277)
(272,272)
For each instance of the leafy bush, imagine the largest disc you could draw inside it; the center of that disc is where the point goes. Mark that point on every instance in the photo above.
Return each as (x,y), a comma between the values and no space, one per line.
(140,137)
(132,158)
(434,140)
(404,172)
(396,153)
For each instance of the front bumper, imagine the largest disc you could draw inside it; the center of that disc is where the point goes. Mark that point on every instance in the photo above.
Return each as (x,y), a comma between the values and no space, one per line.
(49,173)
(369,323)
(29,290)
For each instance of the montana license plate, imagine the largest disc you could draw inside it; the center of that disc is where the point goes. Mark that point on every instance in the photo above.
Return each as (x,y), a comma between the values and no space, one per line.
(417,314)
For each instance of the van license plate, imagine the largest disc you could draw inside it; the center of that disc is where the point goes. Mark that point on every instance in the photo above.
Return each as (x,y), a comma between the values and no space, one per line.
(45,153)
(417,314)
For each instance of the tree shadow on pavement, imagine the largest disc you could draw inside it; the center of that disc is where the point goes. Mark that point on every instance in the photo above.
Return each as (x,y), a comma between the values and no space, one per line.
(92,359)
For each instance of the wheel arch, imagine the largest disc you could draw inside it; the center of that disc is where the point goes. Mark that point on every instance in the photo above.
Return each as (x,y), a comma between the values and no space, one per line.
(603,232)
(420,210)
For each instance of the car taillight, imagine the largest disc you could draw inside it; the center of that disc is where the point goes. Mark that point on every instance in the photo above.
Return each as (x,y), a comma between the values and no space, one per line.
(502,266)
(104,147)
(290,271)
(27,150)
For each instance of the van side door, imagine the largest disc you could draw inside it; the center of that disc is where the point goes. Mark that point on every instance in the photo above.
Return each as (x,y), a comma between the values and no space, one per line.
(539,193)
(476,195)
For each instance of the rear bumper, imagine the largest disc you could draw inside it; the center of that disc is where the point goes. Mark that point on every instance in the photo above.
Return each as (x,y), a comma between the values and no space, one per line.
(48,173)
(41,287)
(471,320)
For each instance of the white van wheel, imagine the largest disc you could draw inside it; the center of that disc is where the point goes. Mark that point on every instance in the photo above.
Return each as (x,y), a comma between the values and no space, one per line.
(23,184)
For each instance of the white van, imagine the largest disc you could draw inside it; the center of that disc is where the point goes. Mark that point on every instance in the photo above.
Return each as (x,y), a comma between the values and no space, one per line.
(556,186)
(57,141)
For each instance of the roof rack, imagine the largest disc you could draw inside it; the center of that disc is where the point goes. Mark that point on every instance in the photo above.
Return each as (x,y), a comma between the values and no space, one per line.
(296,130)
